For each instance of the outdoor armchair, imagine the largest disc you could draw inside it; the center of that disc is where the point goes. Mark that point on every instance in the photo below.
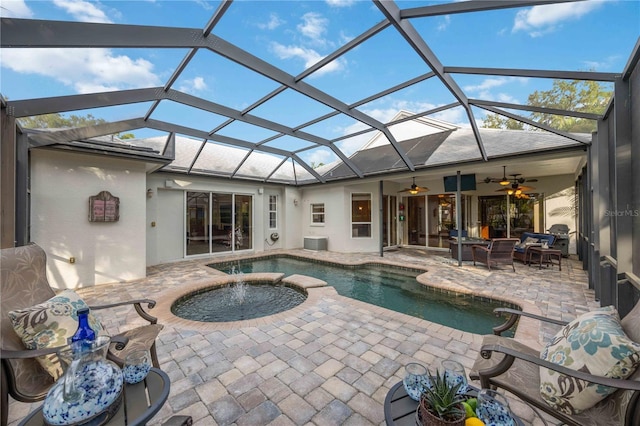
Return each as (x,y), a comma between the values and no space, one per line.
(500,251)
(509,364)
(24,284)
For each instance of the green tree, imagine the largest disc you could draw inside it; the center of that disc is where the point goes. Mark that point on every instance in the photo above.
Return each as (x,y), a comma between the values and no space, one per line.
(496,121)
(572,95)
(57,121)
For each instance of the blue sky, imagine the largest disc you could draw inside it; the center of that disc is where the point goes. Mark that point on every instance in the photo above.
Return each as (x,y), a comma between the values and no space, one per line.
(292,35)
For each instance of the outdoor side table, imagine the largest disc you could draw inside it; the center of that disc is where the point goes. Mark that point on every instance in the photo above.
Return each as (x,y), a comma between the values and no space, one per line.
(400,409)
(140,402)
(546,256)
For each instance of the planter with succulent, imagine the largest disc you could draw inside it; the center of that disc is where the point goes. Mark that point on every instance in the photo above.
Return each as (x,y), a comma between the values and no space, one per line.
(440,404)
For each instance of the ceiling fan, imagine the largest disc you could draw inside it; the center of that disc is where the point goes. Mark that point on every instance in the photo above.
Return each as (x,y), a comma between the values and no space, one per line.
(415,189)
(505,181)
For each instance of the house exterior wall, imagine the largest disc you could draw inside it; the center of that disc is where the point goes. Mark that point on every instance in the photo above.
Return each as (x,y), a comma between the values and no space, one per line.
(167,209)
(337,227)
(61,184)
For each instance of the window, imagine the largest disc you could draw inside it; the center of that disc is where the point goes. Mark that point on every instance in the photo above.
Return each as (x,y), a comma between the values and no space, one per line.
(317,214)
(361,215)
(273,211)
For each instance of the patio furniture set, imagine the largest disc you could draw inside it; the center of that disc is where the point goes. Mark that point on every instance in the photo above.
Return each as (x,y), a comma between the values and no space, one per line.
(33,326)
(530,248)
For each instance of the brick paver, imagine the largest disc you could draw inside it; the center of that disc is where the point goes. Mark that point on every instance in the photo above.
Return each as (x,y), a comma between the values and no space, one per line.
(332,360)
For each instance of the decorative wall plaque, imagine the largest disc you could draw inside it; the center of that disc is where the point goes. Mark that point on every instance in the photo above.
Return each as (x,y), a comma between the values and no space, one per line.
(104,207)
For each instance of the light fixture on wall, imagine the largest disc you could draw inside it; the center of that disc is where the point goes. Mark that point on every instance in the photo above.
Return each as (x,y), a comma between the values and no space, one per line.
(149,193)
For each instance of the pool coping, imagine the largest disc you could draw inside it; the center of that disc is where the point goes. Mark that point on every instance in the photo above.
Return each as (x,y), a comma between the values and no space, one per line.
(527,330)
(165,300)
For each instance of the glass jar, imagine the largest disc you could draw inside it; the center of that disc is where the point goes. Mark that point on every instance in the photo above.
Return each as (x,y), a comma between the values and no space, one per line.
(416,380)
(89,390)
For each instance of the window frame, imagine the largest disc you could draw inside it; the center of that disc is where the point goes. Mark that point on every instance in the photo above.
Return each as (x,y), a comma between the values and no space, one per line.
(320,214)
(362,224)
(273,221)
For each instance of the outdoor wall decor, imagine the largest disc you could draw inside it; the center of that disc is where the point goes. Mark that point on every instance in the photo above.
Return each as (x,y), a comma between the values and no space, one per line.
(104,207)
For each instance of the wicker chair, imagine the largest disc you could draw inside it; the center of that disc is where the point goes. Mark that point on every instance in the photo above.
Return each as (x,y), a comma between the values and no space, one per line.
(508,364)
(500,251)
(24,283)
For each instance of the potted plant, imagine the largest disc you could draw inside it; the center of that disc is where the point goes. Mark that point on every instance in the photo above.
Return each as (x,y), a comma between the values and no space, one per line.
(441,404)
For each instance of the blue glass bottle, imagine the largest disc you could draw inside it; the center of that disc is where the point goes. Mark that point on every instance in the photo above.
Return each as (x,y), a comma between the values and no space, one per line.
(84,333)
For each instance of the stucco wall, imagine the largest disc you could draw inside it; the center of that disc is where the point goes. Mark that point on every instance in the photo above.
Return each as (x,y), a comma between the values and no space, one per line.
(166,241)
(61,184)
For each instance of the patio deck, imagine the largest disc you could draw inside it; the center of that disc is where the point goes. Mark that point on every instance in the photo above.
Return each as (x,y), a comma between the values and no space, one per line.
(333,361)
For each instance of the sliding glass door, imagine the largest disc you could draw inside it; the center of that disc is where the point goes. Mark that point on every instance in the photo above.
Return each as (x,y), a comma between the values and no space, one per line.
(218,222)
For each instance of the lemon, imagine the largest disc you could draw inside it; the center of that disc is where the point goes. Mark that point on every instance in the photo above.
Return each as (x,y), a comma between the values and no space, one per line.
(473,421)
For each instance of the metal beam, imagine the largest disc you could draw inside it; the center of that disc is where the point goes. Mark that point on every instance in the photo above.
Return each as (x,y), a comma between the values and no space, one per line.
(512,72)
(39,106)
(534,124)
(409,33)
(308,168)
(471,6)
(266,69)
(543,110)
(31,33)
(87,132)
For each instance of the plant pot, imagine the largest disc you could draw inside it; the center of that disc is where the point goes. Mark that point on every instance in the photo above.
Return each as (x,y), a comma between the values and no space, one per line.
(427,418)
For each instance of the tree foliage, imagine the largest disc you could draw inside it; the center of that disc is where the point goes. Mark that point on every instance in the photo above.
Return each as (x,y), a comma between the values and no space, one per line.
(58,121)
(572,95)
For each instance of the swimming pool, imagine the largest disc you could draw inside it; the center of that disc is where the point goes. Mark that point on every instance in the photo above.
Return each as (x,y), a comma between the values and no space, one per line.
(386,286)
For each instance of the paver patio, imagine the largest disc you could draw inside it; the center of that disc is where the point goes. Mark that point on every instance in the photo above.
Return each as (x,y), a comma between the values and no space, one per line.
(333,361)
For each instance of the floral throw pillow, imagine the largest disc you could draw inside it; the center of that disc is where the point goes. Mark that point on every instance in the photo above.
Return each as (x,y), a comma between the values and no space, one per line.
(50,324)
(594,343)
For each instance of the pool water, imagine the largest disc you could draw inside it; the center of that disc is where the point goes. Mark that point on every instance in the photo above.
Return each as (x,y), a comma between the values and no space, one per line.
(388,287)
(241,301)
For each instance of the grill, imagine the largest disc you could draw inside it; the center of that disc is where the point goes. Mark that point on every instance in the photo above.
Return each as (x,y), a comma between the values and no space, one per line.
(561,232)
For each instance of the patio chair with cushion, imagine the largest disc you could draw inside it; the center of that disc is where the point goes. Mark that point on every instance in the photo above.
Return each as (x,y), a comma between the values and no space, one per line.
(35,322)
(587,375)
(500,251)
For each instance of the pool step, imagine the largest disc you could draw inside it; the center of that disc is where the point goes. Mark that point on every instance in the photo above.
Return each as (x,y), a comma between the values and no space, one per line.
(304,281)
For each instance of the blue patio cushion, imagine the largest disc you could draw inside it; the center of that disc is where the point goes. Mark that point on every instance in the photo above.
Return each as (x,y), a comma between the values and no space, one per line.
(540,237)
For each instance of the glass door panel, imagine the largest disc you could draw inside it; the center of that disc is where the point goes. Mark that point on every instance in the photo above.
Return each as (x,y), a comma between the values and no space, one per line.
(243,234)
(416,221)
(222,212)
(197,223)
(389,217)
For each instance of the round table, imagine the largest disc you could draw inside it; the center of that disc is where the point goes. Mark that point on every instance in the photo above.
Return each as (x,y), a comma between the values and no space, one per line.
(400,409)
(140,402)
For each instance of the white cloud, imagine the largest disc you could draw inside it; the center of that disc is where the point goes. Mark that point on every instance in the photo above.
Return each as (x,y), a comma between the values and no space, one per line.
(82,10)
(540,20)
(601,65)
(15,9)
(205,5)
(195,85)
(445,23)
(314,26)
(309,56)
(340,3)
(483,90)
(86,70)
(318,156)
(273,23)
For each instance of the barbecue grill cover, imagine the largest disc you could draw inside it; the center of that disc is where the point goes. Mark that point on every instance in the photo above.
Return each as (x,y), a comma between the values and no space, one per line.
(559,228)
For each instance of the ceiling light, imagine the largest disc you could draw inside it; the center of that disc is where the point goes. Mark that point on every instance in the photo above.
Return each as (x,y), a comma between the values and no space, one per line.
(504,181)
